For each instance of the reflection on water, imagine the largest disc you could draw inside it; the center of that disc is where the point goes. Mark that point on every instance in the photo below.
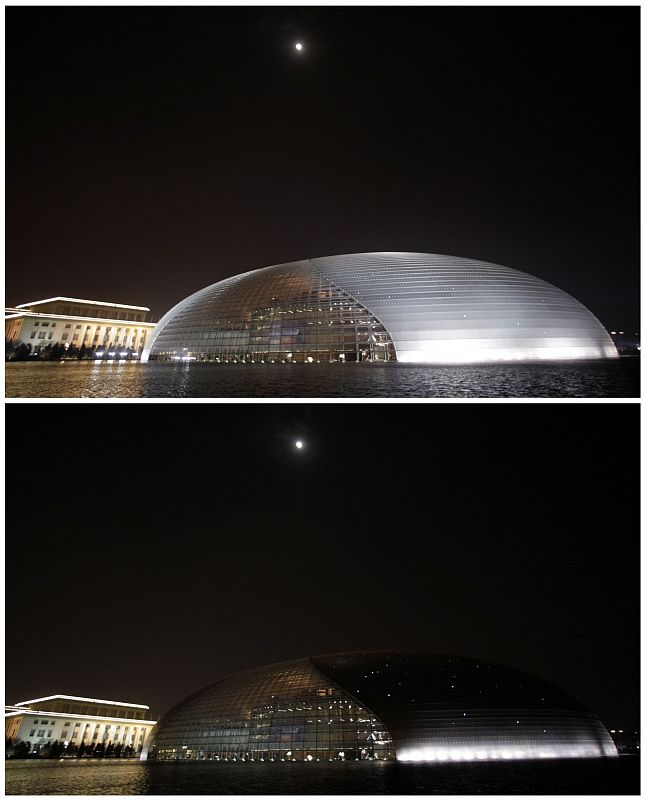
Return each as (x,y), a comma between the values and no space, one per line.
(610,378)
(576,776)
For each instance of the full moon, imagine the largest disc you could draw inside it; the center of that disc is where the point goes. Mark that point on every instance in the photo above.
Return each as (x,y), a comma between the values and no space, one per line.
(299,46)
(299,444)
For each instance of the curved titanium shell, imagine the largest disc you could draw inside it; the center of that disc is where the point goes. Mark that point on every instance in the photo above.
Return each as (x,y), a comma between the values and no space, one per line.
(409,307)
(381,706)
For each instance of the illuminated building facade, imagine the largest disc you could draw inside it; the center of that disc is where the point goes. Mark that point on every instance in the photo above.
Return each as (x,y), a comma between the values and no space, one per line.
(408,307)
(103,329)
(379,706)
(78,721)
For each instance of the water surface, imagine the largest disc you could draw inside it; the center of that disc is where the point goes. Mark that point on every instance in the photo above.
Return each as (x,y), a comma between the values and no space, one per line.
(84,776)
(105,379)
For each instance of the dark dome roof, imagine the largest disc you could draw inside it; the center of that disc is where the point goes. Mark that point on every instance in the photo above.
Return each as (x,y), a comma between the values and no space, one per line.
(390,678)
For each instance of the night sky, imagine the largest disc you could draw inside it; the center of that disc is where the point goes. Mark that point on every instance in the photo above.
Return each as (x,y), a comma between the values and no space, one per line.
(153,151)
(154,549)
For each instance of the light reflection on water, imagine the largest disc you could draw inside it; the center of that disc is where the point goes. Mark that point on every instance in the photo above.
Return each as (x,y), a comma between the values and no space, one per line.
(88,777)
(611,378)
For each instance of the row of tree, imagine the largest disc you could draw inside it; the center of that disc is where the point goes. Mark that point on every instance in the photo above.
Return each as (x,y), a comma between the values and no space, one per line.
(56,749)
(54,352)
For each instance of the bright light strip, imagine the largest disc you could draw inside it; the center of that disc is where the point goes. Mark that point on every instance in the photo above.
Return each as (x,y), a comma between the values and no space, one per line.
(447,753)
(49,714)
(461,352)
(94,320)
(78,300)
(85,699)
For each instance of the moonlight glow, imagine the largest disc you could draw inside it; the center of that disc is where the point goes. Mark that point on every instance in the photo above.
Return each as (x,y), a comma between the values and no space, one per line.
(299,46)
(299,445)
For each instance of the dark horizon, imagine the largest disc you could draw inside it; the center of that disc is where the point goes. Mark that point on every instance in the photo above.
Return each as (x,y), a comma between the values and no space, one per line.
(154,151)
(151,553)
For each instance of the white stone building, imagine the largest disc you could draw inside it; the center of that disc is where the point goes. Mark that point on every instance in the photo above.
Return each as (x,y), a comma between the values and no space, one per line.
(111,330)
(72,720)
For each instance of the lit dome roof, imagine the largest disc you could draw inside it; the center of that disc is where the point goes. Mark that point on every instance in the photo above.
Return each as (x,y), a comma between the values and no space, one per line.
(409,307)
(379,705)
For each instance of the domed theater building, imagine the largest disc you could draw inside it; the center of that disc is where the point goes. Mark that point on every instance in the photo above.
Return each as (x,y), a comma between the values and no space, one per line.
(381,705)
(408,307)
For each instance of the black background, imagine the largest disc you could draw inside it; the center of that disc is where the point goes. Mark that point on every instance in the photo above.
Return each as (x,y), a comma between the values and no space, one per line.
(154,549)
(153,151)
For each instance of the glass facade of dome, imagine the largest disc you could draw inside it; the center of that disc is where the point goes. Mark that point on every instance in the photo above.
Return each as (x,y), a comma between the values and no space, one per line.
(379,706)
(408,307)
(284,313)
(285,712)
